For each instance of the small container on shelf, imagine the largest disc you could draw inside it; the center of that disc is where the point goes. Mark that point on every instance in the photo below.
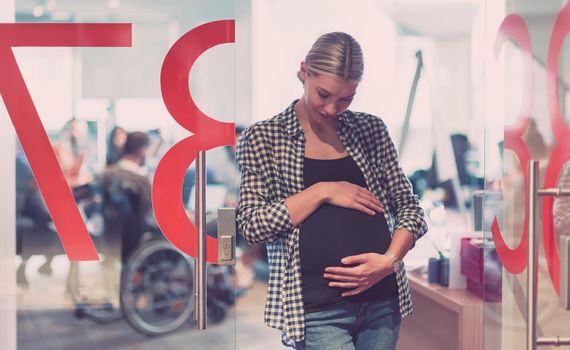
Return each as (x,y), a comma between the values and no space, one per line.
(433,270)
(481,265)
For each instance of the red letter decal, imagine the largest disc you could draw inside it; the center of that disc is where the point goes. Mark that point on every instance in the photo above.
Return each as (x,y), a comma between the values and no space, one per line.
(35,143)
(208,133)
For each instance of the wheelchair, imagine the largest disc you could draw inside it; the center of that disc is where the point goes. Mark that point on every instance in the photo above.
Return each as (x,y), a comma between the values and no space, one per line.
(156,293)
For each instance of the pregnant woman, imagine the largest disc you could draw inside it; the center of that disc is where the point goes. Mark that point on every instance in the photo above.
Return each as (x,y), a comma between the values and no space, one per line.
(322,187)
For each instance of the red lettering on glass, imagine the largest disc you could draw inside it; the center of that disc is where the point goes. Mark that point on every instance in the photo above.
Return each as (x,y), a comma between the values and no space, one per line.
(514,27)
(35,143)
(561,132)
(208,133)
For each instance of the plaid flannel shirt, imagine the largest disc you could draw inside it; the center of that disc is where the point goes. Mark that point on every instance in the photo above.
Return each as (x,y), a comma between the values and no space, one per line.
(270,157)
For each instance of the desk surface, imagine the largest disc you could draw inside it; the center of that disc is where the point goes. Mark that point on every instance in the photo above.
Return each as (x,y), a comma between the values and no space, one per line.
(459,318)
(453,299)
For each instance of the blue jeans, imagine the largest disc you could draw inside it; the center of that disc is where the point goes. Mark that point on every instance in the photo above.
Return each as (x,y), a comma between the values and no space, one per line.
(362,326)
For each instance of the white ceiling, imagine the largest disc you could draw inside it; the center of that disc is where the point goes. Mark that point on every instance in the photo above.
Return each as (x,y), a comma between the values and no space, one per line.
(102,5)
(449,18)
(86,10)
(438,18)
(427,17)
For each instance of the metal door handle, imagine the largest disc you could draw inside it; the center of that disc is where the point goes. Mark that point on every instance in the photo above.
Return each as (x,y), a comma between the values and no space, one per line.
(226,241)
(200,265)
(533,192)
(565,272)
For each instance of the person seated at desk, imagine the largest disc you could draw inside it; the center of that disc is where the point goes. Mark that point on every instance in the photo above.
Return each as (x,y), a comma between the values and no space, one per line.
(127,176)
(115,145)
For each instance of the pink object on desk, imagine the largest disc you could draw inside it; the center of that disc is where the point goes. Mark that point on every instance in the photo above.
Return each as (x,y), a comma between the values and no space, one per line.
(482,268)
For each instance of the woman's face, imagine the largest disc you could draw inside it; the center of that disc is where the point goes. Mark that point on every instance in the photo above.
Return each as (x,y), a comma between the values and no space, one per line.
(326,96)
(78,130)
(119,138)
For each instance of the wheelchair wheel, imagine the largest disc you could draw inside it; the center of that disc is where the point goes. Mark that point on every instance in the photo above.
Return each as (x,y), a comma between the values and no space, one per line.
(216,312)
(157,289)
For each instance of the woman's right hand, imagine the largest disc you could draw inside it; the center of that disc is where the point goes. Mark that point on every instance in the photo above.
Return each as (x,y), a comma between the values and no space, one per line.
(348,195)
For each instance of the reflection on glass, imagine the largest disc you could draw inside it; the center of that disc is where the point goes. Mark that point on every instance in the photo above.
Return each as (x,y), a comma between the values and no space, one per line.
(103,111)
(505,324)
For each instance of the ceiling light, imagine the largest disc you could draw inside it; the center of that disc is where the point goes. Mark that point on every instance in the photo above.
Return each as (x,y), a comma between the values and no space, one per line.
(50,5)
(38,11)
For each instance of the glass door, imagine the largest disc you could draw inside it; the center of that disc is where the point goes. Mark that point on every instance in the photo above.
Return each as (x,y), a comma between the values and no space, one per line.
(526,120)
(117,107)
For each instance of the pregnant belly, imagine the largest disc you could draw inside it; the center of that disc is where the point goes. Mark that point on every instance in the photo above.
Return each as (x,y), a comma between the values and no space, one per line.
(332,233)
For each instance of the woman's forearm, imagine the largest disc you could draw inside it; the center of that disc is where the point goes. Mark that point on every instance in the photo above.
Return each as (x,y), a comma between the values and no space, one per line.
(402,240)
(301,205)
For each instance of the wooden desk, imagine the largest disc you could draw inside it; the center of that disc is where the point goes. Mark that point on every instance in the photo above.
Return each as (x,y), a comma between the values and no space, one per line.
(442,319)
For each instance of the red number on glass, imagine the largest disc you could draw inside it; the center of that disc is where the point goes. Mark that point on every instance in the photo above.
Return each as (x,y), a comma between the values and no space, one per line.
(35,143)
(207,133)
(513,26)
(561,133)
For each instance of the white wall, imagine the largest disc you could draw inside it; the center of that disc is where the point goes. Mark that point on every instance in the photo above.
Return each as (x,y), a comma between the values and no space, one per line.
(282,33)
(243,62)
(7,215)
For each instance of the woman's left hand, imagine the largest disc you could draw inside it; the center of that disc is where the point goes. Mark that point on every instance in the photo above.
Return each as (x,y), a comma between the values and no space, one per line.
(371,268)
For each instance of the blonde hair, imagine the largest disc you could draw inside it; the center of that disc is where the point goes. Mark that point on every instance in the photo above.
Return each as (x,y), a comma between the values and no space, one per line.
(337,54)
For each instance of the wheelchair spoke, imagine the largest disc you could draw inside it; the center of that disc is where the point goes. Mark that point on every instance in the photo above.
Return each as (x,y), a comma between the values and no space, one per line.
(163,304)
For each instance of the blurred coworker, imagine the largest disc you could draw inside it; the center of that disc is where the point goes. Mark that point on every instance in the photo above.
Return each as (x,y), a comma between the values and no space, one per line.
(128,176)
(70,151)
(32,216)
(156,150)
(116,144)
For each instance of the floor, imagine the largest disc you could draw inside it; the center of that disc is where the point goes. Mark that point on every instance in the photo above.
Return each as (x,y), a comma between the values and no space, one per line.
(46,320)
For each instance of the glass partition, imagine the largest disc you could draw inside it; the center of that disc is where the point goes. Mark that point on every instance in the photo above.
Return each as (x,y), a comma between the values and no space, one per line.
(111,101)
(116,90)
(525,120)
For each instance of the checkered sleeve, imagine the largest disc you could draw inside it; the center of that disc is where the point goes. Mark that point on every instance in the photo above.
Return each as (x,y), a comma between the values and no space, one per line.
(259,218)
(409,214)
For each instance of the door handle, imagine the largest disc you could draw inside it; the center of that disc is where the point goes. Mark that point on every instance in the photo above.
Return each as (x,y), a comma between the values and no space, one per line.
(226,241)
(226,236)
(533,193)
(201,291)
(565,272)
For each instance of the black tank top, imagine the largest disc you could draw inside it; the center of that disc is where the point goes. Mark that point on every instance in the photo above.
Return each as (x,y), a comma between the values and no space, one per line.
(332,233)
